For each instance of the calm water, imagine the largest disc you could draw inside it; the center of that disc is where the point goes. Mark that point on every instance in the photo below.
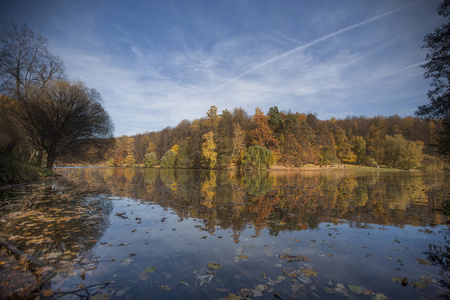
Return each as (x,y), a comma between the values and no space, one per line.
(183,234)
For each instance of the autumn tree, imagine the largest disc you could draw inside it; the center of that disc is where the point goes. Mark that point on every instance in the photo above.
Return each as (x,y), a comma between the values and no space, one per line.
(209,150)
(130,160)
(65,118)
(260,132)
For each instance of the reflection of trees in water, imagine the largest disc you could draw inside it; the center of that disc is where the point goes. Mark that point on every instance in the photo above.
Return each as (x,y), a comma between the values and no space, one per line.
(440,257)
(55,222)
(280,200)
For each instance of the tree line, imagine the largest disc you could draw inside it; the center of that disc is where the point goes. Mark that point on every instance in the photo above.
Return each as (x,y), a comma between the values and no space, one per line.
(234,139)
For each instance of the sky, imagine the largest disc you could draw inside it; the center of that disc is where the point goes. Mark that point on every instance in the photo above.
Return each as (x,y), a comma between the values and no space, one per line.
(156,63)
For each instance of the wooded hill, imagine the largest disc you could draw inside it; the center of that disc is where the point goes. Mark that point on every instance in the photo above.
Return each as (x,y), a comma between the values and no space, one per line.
(235,139)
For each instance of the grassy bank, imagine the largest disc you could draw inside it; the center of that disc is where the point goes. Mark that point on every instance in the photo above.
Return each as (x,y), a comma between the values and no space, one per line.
(13,171)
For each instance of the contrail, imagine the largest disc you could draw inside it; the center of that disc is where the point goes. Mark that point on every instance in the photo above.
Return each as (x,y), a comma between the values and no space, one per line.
(405,68)
(302,47)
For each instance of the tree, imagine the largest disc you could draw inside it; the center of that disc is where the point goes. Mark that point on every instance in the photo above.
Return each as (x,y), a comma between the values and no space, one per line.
(150,159)
(65,118)
(259,157)
(168,160)
(209,150)
(25,62)
(359,148)
(438,68)
(399,152)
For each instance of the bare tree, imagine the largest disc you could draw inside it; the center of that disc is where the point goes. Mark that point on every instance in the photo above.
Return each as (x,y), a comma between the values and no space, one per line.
(24,62)
(66,119)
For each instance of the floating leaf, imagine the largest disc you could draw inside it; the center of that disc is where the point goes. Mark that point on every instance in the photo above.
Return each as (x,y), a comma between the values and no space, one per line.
(165,287)
(291,258)
(243,257)
(380,296)
(232,296)
(150,269)
(356,289)
(423,262)
(214,266)
(419,285)
(309,272)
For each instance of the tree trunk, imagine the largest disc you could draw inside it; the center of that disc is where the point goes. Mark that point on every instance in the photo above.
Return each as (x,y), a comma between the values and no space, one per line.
(39,158)
(51,158)
(9,149)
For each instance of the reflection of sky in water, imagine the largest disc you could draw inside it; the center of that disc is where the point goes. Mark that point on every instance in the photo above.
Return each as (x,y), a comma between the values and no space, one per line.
(368,257)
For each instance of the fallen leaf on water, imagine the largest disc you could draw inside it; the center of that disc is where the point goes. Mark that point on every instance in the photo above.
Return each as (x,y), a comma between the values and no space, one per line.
(359,290)
(329,290)
(232,296)
(355,288)
(423,262)
(150,269)
(419,285)
(214,266)
(380,296)
(291,258)
(165,287)
(243,256)
(309,272)
(126,262)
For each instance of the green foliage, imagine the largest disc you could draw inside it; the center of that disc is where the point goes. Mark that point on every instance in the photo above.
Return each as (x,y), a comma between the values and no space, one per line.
(359,148)
(372,163)
(259,157)
(168,160)
(432,163)
(401,153)
(150,159)
(14,171)
(183,160)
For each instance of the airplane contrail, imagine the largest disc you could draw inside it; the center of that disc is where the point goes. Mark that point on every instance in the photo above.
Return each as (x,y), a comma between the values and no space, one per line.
(325,37)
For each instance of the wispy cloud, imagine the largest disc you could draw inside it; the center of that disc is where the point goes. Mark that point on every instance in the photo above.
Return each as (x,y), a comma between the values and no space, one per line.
(307,45)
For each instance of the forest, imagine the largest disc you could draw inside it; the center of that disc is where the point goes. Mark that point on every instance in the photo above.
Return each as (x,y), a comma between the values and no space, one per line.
(234,139)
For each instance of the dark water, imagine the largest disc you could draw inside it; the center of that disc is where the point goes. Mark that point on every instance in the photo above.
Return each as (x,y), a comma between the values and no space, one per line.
(183,234)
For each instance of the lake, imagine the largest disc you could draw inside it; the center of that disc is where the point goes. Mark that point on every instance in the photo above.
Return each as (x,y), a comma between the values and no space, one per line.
(193,234)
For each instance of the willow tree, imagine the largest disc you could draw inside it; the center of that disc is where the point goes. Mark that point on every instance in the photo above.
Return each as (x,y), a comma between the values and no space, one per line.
(66,119)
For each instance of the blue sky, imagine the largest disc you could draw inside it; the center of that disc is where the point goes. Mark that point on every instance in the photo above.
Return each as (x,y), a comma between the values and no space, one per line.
(159,62)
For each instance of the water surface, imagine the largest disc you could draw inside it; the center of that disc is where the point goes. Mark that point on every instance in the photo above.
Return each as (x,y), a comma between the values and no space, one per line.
(185,234)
